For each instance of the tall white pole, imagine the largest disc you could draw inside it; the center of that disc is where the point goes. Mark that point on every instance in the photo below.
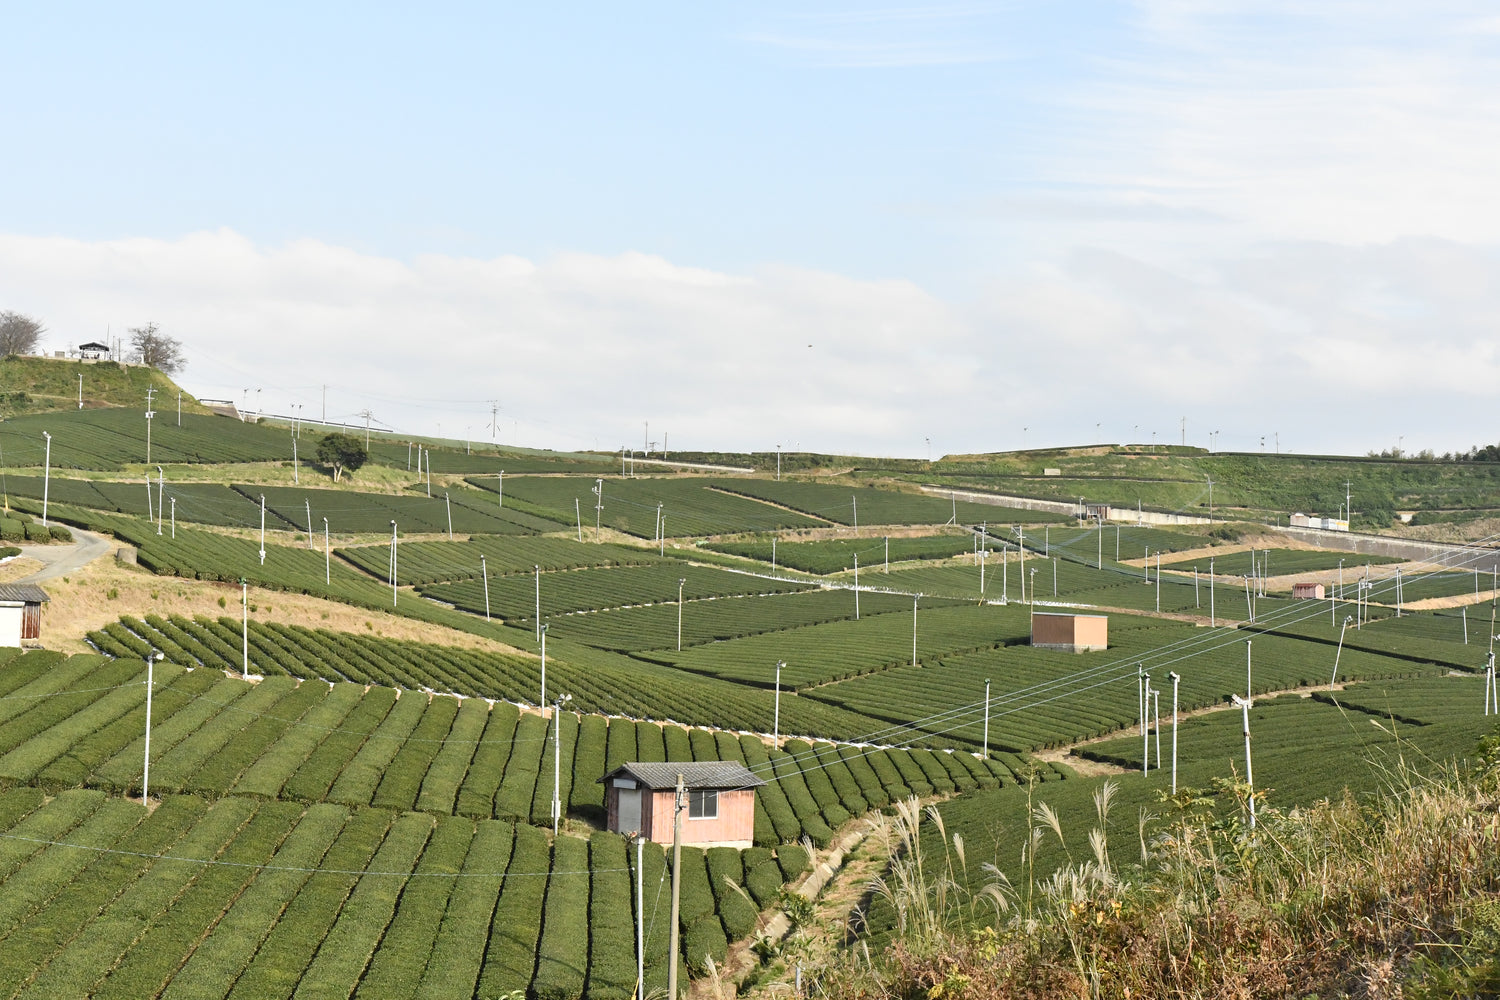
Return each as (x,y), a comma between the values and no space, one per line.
(1176,679)
(578,513)
(1145,723)
(327,557)
(1339,652)
(47,477)
(262,529)
(485,573)
(174,516)
(856,586)
(776,716)
(307,504)
(1213,615)
(393,563)
(1249,688)
(557,762)
(1249,774)
(296,471)
(539,627)
(854,502)
(161,489)
(680,582)
(640,920)
(915,598)
(986,718)
(500,488)
(888,554)
(448,506)
(544,665)
(672,922)
(150,510)
(1156,715)
(244,628)
(151,659)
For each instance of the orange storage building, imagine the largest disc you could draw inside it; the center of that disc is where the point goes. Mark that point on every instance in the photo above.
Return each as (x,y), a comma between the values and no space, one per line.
(1069,633)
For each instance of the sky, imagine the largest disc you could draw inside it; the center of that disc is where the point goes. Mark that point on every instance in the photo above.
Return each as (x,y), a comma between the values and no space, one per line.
(897,229)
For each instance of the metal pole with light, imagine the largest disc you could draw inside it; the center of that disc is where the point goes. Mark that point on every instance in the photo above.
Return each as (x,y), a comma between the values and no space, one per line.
(161,489)
(557,760)
(327,557)
(263,529)
(151,660)
(856,588)
(1145,723)
(448,506)
(393,563)
(539,626)
(174,516)
(680,582)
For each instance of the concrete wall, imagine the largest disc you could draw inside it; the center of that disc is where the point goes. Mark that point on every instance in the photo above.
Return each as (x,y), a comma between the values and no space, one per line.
(1070,508)
(1466,557)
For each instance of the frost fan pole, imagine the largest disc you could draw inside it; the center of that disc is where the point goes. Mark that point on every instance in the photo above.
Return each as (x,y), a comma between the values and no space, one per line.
(1176,678)
(1339,652)
(1244,704)
(485,573)
(151,659)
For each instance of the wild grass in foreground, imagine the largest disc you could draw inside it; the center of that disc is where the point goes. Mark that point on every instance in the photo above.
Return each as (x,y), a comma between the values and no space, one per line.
(1395,896)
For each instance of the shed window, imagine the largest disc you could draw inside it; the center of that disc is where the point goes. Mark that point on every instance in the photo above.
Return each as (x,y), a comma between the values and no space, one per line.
(703,803)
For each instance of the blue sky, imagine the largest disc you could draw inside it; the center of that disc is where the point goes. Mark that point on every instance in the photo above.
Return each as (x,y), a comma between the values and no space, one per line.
(852,227)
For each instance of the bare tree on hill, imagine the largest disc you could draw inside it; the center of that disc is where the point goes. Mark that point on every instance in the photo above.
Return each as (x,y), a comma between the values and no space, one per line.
(18,334)
(157,349)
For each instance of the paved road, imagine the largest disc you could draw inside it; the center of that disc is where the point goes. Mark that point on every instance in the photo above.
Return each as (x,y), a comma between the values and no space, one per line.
(61,560)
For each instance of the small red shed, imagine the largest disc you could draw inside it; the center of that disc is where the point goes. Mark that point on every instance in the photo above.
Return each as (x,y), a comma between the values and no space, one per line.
(718,808)
(1308,591)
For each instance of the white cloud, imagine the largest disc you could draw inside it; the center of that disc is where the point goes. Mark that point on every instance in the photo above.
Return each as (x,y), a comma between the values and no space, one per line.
(1337,347)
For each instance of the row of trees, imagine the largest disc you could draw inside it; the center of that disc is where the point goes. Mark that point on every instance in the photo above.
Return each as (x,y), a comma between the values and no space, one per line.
(20,334)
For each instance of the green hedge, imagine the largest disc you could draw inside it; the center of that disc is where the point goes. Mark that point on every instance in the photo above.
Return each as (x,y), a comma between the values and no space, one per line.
(704,940)
(611,927)
(793,859)
(563,954)
(727,874)
(511,957)
(697,895)
(764,882)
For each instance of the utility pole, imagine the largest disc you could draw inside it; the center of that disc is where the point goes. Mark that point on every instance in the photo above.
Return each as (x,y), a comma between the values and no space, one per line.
(1339,652)
(244,628)
(263,529)
(598,506)
(174,516)
(683,580)
(149,414)
(856,592)
(539,626)
(640,918)
(393,564)
(672,946)
(161,489)
(778,463)
(327,557)
(915,598)
(307,503)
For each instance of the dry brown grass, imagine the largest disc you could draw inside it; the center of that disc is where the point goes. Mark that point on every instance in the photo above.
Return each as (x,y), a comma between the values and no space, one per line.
(1399,897)
(104,590)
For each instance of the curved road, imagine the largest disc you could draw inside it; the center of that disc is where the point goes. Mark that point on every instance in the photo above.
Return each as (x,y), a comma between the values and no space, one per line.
(63,559)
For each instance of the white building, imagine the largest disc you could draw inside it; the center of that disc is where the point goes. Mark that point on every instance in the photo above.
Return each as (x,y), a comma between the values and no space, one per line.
(21,612)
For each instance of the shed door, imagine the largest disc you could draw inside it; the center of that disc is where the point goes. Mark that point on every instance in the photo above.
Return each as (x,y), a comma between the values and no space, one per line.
(31,622)
(628,815)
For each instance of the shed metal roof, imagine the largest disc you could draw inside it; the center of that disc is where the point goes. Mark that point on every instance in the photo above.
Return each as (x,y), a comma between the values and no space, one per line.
(719,774)
(29,593)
